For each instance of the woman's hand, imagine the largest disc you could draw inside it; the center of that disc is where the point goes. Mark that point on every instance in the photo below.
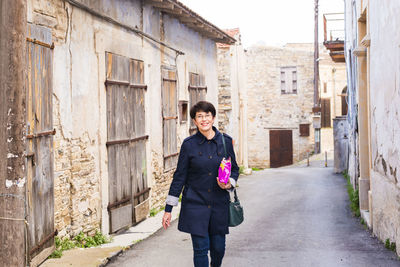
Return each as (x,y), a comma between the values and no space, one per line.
(223,185)
(166,220)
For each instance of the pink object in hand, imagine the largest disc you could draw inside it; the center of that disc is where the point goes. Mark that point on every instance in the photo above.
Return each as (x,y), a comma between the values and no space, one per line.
(224,170)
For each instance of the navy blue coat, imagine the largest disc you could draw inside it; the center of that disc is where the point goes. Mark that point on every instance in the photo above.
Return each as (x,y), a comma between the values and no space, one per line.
(205,206)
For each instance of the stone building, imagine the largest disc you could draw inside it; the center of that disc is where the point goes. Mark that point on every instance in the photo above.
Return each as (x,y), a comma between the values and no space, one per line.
(110,85)
(372,62)
(280,86)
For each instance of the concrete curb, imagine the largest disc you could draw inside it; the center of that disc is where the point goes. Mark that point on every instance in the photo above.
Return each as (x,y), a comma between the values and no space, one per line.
(102,255)
(158,218)
(114,255)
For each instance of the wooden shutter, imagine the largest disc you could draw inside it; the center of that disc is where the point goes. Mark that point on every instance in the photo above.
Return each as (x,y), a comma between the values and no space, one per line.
(170,118)
(126,141)
(197,92)
(304,129)
(288,80)
(325,112)
(283,81)
(294,81)
(40,160)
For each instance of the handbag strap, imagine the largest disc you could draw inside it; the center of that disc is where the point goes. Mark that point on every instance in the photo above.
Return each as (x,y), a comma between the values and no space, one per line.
(223,142)
(235,195)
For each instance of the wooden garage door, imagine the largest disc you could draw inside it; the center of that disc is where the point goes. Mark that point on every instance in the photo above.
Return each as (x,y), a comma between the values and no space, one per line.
(126,142)
(281,148)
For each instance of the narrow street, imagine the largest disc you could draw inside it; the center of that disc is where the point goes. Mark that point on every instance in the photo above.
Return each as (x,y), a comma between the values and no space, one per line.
(294,216)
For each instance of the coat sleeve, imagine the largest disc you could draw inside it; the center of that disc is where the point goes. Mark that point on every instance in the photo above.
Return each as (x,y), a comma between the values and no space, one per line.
(179,178)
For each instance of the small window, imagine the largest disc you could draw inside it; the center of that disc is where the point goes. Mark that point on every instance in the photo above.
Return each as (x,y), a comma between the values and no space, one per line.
(183,111)
(289,80)
(304,129)
(325,88)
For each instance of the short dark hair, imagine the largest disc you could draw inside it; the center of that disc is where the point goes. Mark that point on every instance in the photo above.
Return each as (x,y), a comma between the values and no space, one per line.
(202,106)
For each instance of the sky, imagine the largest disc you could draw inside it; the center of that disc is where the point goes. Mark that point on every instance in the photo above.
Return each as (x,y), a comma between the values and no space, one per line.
(269,22)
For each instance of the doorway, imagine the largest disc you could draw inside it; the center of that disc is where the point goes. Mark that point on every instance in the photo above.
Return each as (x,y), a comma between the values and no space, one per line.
(281,148)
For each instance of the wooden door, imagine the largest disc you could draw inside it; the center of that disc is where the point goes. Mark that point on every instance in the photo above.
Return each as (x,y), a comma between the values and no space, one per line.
(170,119)
(281,148)
(126,145)
(40,162)
(325,112)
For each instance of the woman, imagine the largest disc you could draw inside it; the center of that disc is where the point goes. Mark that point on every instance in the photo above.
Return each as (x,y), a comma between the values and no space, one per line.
(205,201)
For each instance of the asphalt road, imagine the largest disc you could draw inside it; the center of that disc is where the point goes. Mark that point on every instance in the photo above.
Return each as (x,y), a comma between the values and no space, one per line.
(294,216)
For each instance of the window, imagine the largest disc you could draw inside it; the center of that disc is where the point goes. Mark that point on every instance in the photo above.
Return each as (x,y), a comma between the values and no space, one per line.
(325,87)
(289,80)
(183,111)
(304,129)
(197,92)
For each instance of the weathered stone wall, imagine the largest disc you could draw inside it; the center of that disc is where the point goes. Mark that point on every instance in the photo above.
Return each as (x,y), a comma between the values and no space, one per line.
(79,98)
(268,109)
(224,87)
(384,110)
(378,89)
(200,58)
(76,180)
(49,13)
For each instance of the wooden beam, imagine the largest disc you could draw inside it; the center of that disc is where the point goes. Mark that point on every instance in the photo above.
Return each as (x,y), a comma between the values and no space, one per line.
(171,11)
(13,75)
(197,26)
(165,5)
(186,19)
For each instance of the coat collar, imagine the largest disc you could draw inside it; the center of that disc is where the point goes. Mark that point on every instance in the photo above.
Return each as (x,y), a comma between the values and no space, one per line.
(201,138)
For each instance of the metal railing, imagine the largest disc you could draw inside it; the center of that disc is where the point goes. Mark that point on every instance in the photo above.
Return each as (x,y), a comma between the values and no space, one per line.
(333,27)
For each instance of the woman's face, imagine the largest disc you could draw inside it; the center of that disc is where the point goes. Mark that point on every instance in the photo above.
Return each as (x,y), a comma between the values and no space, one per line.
(204,121)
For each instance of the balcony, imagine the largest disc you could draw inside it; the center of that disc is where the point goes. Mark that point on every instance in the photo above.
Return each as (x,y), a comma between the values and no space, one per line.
(334,35)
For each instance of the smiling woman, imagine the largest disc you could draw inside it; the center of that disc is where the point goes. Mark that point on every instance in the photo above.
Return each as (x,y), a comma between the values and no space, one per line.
(205,201)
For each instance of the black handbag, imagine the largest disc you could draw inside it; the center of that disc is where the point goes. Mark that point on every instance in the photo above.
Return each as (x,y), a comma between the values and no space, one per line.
(235,209)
